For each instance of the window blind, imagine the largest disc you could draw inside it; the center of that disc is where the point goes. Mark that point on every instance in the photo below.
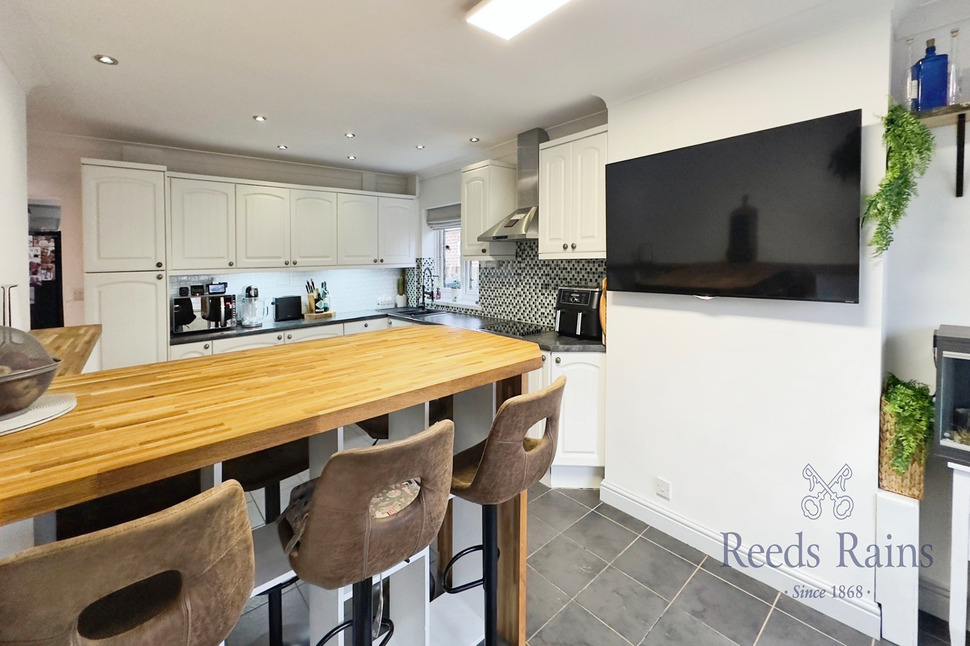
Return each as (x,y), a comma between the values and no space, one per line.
(444,217)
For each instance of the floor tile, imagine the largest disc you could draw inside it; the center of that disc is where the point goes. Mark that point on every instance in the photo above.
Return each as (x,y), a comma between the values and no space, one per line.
(256,622)
(537,490)
(601,536)
(567,565)
(938,629)
(543,600)
(923,639)
(677,628)
(255,516)
(831,627)
(617,516)
(557,510)
(728,610)
(783,630)
(589,497)
(655,567)
(677,547)
(539,533)
(624,605)
(736,577)
(575,626)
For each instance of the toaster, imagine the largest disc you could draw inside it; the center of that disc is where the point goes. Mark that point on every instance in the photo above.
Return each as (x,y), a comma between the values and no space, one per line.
(288,308)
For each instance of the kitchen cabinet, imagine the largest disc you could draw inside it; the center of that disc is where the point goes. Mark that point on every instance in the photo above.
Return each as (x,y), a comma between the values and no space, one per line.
(365,326)
(572,196)
(397,230)
(248,342)
(313,228)
(316,332)
(487,196)
(123,210)
(399,323)
(190,350)
(357,221)
(132,309)
(262,226)
(202,224)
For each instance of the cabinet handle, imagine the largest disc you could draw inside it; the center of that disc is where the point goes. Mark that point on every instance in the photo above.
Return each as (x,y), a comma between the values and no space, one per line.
(483,250)
(158,264)
(375,259)
(382,260)
(558,359)
(573,245)
(564,246)
(294,262)
(205,347)
(160,276)
(366,324)
(230,263)
(544,358)
(279,337)
(289,337)
(286,262)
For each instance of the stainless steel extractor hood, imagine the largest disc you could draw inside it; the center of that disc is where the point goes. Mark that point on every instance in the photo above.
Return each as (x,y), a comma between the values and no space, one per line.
(523,223)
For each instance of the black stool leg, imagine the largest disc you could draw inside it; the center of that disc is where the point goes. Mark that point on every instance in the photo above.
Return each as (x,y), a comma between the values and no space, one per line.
(271,493)
(362,612)
(490,572)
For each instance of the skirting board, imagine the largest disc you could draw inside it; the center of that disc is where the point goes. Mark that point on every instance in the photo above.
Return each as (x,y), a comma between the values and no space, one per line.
(569,477)
(863,615)
(935,600)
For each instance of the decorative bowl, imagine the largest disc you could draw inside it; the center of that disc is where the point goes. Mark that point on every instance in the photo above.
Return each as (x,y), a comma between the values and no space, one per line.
(26,370)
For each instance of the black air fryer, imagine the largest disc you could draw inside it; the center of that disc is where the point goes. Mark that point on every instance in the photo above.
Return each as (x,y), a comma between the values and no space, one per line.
(577,312)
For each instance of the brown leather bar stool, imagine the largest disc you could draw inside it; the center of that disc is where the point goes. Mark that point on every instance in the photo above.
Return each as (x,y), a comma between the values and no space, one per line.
(265,470)
(338,539)
(179,577)
(498,469)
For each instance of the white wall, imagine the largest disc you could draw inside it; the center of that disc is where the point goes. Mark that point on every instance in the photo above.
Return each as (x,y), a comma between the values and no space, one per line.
(729,399)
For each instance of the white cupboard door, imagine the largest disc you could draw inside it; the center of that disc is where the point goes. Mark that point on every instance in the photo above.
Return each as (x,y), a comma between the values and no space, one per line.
(536,381)
(589,196)
(365,326)
(240,343)
(474,206)
(124,218)
(316,332)
(262,226)
(313,232)
(203,224)
(357,223)
(190,350)
(398,231)
(582,419)
(554,199)
(131,308)
(400,323)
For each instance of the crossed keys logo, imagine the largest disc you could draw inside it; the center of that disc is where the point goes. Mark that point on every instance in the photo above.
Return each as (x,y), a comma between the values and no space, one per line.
(842,505)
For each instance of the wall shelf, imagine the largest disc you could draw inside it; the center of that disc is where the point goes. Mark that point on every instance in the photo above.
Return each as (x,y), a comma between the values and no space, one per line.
(946,116)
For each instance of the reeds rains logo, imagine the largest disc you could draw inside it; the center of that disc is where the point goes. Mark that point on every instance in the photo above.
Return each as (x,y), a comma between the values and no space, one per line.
(813,505)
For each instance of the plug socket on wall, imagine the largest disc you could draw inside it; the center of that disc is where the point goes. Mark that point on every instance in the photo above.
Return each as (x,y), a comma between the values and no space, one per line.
(663,488)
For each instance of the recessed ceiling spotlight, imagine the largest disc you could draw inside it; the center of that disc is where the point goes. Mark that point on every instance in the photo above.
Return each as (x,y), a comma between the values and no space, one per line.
(350,135)
(474,140)
(259,117)
(282,146)
(420,146)
(351,157)
(107,60)
(506,18)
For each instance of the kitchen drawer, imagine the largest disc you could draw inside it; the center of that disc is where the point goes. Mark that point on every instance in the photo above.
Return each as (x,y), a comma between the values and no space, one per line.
(316,332)
(235,344)
(365,326)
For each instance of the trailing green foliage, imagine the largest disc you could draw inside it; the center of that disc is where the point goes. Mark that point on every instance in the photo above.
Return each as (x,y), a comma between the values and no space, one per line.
(909,149)
(911,405)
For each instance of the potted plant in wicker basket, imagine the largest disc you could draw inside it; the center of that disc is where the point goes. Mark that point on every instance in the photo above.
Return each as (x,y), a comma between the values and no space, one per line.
(906,427)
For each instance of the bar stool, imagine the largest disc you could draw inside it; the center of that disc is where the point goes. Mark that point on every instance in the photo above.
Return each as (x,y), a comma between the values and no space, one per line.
(265,470)
(178,577)
(336,540)
(498,469)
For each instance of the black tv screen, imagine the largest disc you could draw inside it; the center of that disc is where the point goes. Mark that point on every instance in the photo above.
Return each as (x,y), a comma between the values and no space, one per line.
(770,214)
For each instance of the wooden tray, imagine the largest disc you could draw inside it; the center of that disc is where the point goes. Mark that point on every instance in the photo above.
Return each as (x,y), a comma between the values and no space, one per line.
(329,314)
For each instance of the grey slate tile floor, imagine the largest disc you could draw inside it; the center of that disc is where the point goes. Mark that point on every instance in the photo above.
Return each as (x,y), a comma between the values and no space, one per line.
(598,577)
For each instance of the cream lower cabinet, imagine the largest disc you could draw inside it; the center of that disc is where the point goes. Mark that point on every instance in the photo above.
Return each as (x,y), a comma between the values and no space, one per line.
(248,342)
(399,323)
(202,224)
(313,333)
(365,326)
(132,309)
(189,350)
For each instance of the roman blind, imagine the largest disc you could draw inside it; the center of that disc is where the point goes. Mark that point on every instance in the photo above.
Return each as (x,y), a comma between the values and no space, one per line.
(444,217)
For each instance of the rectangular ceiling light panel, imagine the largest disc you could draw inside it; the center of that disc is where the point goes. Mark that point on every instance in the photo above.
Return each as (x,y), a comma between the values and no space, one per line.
(506,18)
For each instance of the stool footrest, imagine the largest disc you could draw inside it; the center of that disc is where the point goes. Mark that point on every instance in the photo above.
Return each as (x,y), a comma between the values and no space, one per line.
(386,624)
(450,589)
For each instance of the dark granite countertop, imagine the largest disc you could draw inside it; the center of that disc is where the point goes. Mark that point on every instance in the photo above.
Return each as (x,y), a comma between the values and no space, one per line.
(547,339)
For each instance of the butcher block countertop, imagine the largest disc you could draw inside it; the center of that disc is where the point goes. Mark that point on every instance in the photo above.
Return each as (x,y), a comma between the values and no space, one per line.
(140,424)
(72,345)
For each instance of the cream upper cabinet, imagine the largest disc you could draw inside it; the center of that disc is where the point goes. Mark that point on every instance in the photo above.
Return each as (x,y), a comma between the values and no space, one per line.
(262,226)
(202,224)
(132,309)
(313,228)
(357,222)
(572,196)
(123,217)
(487,196)
(397,229)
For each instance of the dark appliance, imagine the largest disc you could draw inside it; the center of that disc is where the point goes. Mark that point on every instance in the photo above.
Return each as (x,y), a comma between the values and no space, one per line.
(46,286)
(513,328)
(288,308)
(577,312)
(771,214)
(952,419)
(219,311)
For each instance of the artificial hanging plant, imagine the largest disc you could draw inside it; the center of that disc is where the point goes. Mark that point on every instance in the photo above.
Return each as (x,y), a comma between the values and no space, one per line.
(911,405)
(909,149)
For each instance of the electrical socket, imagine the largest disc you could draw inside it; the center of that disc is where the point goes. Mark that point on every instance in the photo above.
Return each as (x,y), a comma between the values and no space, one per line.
(663,488)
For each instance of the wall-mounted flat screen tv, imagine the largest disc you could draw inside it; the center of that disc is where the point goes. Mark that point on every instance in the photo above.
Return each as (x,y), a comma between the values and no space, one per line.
(770,214)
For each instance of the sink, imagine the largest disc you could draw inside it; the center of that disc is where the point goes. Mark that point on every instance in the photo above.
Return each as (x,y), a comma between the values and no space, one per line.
(417,312)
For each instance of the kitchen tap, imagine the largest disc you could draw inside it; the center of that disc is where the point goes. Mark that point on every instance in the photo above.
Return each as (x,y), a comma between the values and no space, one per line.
(427,286)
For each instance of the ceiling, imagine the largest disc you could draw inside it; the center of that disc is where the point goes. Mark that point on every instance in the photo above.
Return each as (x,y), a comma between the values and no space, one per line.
(397,73)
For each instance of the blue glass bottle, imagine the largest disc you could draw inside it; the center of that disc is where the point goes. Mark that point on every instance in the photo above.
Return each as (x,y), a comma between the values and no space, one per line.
(931,73)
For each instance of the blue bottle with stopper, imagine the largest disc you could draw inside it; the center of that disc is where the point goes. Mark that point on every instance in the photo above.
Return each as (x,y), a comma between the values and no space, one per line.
(930,72)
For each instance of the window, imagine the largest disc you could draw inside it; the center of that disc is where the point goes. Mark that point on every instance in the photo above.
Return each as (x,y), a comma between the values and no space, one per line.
(458,280)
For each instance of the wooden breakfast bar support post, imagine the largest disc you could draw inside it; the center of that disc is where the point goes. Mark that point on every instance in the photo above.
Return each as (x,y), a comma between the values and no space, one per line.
(137,425)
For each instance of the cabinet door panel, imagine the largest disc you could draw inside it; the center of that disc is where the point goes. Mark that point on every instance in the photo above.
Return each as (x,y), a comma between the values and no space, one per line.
(124,218)
(316,332)
(357,223)
(262,226)
(537,380)
(398,231)
(473,206)
(131,309)
(313,218)
(554,199)
(240,343)
(203,224)
(582,421)
(589,194)
(190,350)
(365,326)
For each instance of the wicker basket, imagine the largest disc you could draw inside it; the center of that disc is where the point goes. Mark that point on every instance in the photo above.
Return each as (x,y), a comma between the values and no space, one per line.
(910,483)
